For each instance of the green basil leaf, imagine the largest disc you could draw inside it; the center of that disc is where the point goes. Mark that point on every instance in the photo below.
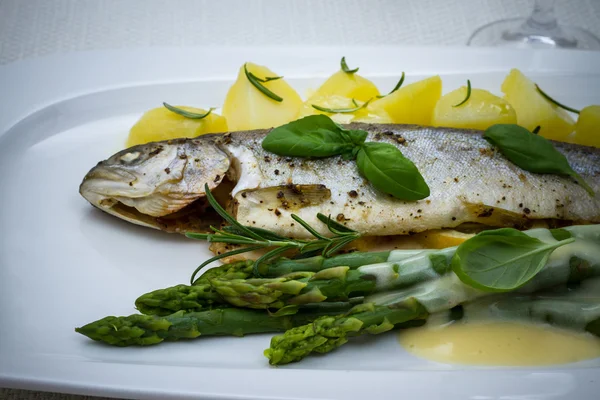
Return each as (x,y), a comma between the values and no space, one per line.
(312,136)
(560,234)
(502,260)
(531,152)
(357,137)
(389,171)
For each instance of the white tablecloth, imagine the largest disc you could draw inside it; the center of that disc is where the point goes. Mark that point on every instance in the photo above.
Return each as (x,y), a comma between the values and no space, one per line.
(36,28)
(33,28)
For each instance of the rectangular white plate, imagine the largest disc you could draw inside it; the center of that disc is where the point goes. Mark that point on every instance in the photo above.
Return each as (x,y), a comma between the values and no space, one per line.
(63,263)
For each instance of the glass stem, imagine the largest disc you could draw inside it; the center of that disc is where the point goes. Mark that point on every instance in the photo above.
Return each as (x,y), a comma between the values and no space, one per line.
(542,17)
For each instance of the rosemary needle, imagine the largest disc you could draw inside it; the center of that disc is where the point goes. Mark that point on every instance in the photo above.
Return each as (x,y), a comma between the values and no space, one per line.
(257,238)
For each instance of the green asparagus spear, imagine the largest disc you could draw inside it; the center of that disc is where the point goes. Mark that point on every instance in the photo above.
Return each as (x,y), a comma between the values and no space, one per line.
(330,332)
(574,262)
(143,330)
(342,282)
(199,297)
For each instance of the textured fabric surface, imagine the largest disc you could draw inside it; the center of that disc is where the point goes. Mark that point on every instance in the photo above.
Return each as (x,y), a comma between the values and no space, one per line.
(31,28)
(35,28)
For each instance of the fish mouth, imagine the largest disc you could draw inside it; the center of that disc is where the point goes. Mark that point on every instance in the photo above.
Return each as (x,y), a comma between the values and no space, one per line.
(197,216)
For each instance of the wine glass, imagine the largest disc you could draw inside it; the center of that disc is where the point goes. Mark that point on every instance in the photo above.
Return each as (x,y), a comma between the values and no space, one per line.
(539,30)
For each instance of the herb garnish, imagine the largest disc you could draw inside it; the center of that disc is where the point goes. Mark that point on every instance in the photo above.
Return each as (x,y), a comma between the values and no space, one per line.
(258,83)
(342,110)
(502,260)
(551,100)
(531,152)
(398,86)
(187,114)
(345,67)
(389,171)
(381,163)
(468,95)
(256,238)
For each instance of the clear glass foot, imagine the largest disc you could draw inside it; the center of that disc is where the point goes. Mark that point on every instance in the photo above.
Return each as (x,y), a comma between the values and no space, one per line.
(540,30)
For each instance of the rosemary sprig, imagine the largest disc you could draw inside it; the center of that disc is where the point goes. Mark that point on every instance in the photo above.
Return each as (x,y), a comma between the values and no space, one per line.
(468,95)
(551,100)
(267,78)
(345,67)
(342,110)
(398,86)
(187,114)
(257,238)
(258,83)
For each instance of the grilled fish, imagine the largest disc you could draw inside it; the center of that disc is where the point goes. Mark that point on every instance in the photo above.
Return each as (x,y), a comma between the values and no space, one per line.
(161,185)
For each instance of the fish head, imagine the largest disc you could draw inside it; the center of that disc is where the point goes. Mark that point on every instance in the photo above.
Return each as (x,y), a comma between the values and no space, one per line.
(159,185)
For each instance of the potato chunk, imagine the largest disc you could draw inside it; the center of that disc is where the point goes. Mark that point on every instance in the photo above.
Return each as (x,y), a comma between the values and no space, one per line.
(352,86)
(335,102)
(161,124)
(246,107)
(587,128)
(534,110)
(481,110)
(412,104)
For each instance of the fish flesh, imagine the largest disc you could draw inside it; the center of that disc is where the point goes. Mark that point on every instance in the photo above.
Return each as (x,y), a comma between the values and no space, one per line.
(161,185)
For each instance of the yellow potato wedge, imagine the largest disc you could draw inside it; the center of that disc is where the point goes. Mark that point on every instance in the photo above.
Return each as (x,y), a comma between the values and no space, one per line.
(534,110)
(352,86)
(587,128)
(480,111)
(335,102)
(162,124)
(246,107)
(412,104)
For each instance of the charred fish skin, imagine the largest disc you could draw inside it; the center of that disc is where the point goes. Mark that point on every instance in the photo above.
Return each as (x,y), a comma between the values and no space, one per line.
(145,182)
(469,180)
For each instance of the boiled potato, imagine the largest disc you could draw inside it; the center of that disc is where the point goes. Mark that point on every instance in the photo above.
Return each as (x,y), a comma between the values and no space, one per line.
(587,128)
(534,110)
(340,102)
(162,124)
(481,110)
(352,86)
(412,104)
(247,108)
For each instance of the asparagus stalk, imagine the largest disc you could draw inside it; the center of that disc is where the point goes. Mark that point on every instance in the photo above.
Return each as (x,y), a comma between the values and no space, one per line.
(573,262)
(199,297)
(330,332)
(342,282)
(377,271)
(143,330)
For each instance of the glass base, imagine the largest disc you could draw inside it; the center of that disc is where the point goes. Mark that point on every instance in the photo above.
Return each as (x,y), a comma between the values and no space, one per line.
(522,33)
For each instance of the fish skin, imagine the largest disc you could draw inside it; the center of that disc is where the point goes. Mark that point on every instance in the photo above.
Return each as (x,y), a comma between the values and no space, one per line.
(469,182)
(156,179)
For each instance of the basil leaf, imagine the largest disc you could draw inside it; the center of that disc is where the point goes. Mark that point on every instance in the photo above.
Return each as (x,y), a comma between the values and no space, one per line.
(356,136)
(389,171)
(531,152)
(312,136)
(502,260)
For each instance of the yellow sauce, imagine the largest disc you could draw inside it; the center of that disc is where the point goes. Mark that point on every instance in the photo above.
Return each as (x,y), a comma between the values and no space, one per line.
(499,343)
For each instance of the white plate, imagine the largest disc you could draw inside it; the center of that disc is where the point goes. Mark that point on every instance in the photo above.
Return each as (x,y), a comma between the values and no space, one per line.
(63,263)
